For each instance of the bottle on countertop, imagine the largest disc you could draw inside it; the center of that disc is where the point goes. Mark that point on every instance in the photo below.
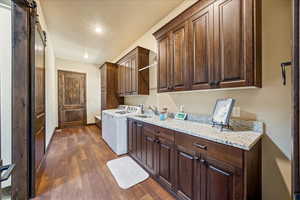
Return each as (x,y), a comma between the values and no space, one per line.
(163,114)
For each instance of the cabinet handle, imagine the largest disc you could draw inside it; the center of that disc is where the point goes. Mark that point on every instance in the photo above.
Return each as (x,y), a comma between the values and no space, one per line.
(217,83)
(200,146)
(203,161)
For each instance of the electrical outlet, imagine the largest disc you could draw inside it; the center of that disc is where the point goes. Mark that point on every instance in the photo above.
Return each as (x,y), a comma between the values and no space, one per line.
(236,112)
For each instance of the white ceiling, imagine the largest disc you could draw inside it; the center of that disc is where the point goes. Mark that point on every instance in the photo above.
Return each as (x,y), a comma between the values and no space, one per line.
(72,25)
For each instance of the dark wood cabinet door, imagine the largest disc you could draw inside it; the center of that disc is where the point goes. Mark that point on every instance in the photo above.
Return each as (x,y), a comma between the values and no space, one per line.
(130,136)
(103,75)
(139,136)
(223,182)
(201,49)
(127,65)
(134,75)
(121,80)
(134,139)
(163,72)
(233,47)
(185,179)
(179,71)
(165,162)
(149,149)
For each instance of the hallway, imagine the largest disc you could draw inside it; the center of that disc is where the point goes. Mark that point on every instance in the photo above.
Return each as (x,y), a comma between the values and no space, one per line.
(75,168)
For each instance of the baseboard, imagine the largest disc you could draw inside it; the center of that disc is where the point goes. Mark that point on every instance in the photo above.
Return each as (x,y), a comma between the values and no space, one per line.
(91,124)
(42,166)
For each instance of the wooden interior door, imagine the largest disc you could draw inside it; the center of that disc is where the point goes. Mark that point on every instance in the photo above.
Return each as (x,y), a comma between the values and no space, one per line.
(40,113)
(71,99)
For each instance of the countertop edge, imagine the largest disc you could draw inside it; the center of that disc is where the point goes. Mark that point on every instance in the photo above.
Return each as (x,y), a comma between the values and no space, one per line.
(246,148)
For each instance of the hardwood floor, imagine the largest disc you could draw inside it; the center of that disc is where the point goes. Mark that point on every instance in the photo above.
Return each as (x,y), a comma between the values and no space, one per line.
(75,168)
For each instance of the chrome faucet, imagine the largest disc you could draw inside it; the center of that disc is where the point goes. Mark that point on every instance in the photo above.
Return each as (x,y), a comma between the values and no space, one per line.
(154,109)
(142,106)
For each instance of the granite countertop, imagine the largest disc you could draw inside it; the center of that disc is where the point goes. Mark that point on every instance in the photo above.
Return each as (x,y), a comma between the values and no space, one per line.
(241,139)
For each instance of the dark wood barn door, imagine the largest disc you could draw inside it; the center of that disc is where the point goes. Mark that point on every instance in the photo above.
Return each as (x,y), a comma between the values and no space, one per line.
(71,99)
(39,97)
(296,99)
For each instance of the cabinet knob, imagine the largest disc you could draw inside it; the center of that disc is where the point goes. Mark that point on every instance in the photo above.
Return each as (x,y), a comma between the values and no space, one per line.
(217,83)
(203,161)
(211,83)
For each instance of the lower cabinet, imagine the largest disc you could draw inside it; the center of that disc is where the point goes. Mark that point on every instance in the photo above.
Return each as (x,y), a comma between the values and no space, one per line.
(149,151)
(186,175)
(223,182)
(165,162)
(189,169)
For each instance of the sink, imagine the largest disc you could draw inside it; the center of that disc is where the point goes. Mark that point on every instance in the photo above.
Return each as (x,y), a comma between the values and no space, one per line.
(122,112)
(143,116)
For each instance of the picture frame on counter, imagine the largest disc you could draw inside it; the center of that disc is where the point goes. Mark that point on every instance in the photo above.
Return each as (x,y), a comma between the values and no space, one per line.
(222,112)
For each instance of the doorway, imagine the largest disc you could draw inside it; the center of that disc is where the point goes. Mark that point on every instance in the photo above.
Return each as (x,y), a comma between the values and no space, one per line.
(71,99)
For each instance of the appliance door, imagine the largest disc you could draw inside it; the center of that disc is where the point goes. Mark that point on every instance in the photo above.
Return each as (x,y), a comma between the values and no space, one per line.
(105,127)
(109,124)
(122,135)
(112,142)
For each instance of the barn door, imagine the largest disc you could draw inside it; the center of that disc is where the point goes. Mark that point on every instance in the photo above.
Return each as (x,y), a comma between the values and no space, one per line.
(295,98)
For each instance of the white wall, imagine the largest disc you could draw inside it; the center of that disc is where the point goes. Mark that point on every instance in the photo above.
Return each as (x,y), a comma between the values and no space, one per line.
(5,81)
(93,84)
(51,81)
(271,104)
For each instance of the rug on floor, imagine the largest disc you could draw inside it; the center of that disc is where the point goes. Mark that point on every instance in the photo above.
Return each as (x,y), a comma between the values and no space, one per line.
(127,172)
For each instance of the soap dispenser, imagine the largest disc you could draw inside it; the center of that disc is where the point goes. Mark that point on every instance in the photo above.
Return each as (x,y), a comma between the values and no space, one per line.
(181,115)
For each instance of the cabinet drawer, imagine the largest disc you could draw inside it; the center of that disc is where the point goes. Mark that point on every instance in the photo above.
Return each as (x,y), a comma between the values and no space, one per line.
(217,151)
(151,129)
(166,134)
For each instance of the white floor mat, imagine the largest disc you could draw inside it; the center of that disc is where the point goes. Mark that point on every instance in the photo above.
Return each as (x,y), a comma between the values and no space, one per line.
(127,172)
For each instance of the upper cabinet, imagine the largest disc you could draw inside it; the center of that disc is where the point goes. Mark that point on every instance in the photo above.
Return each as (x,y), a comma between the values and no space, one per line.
(131,81)
(213,44)
(109,85)
(164,71)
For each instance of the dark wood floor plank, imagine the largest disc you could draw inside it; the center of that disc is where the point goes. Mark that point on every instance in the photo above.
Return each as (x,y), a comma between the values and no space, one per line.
(76,169)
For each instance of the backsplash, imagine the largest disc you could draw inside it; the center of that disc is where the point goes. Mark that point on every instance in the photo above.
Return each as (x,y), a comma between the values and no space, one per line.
(235,124)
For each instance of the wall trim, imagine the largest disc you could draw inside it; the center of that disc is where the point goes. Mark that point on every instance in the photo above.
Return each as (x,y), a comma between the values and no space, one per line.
(42,166)
(91,124)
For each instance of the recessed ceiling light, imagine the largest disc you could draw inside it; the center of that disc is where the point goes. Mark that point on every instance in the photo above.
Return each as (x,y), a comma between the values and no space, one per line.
(98,30)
